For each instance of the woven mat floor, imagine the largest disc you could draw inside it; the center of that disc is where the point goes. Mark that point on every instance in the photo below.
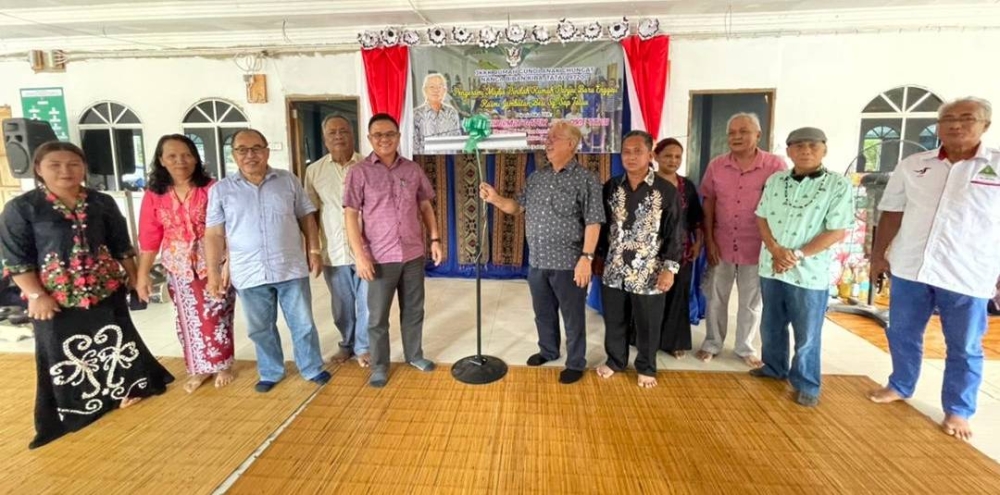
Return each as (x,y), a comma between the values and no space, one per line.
(175,443)
(696,433)
(934,347)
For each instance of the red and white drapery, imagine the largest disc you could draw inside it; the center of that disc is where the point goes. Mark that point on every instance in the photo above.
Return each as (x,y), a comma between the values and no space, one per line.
(648,63)
(389,90)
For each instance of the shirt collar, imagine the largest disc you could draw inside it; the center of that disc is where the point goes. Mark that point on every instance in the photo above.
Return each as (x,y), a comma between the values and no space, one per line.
(355,158)
(374,159)
(812,175)
(267,175)
(980,153)
(758,160)
(650,177)
(568,168)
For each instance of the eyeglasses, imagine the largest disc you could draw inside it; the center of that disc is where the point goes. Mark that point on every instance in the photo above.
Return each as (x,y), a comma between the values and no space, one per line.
(807,145)
(965,121)
(378,136)
(256,150)
(339,132)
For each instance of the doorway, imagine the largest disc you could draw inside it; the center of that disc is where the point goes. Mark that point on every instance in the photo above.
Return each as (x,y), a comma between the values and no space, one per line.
(710,112)
(305,118)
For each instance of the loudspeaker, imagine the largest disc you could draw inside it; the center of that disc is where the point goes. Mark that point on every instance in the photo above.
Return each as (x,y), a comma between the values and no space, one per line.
(22,137)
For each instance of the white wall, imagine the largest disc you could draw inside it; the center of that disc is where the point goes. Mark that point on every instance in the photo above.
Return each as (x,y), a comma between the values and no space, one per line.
(161,90)
(821,81)
(825,81)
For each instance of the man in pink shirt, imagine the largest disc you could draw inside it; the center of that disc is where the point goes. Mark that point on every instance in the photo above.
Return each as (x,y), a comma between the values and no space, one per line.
(732,187)
(386,198)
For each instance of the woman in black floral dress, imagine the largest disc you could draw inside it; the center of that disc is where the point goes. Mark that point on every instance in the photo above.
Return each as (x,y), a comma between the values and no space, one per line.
(67,248)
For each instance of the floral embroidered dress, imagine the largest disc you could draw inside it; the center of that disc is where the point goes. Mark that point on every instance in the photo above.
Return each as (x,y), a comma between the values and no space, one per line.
(89,357)
(176,229)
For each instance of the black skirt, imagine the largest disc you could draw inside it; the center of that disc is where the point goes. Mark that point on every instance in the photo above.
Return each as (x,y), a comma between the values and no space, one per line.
(676,333)
(87,362)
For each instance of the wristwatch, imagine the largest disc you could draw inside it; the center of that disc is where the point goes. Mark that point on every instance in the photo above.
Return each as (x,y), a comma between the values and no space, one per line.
(672,266)
(589,256)
(799,254)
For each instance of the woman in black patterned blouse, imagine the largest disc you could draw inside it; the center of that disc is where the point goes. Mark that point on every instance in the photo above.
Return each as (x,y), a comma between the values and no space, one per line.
(67,248)
(676,336)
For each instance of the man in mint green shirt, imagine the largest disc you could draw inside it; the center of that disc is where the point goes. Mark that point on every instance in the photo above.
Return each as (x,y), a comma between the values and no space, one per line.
(802,213)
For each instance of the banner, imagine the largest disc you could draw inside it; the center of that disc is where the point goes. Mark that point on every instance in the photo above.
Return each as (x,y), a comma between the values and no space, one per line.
(521,88)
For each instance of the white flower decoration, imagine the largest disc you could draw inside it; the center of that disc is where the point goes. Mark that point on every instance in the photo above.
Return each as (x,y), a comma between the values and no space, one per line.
(541,35)
(516,34)
(489,37)
(649,28)
(390,36)
(619,30)
(437,35)
(461,35)
(592,31)
(368,39)
(566,30)
(410,37)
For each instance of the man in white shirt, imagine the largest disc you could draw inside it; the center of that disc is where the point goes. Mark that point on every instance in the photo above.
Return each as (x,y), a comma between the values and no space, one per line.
(941,215)
(325,186)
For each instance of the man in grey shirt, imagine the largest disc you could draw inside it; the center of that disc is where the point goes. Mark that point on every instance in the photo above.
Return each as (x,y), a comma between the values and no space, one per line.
(259,215)
(564,213)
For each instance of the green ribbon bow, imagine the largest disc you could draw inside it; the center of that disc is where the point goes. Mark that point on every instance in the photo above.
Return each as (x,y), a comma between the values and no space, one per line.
(478,127)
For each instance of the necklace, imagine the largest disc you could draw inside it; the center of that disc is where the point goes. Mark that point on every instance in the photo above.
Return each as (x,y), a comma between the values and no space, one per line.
(806,201)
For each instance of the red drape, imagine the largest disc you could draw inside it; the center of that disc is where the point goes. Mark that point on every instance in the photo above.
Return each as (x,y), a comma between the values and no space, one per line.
(649,61)
(386,72)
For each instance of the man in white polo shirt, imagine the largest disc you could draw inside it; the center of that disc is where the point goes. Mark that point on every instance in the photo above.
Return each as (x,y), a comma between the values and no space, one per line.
(941,215)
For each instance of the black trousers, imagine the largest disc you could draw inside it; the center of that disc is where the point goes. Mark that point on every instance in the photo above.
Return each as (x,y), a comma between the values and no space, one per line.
(620,310)
(554,292)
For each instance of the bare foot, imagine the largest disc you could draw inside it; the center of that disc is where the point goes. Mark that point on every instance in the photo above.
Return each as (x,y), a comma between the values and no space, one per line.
(647,381)
(678,354)
(604,371)
(195,381)
(884,395)
(957,427)
(365,360)
(341,356)
(129,401)
(223,378)
(704,356)
(753,362)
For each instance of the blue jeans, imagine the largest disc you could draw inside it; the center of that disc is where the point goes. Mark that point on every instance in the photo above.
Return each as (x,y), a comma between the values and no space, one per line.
(349,302)
(260,307)
(963,321)
(805,310)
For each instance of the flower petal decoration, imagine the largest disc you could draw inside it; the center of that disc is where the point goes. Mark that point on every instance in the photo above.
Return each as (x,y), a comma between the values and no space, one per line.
(390,36)
(461,34)
(410,37)
(619,30)
(515,34)
(437,35)
(541,35)
(565,30)
(489,37)
(649,28)
(368,39)
(592,31)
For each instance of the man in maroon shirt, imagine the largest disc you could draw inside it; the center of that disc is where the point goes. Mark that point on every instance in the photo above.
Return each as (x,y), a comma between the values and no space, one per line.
(386,197)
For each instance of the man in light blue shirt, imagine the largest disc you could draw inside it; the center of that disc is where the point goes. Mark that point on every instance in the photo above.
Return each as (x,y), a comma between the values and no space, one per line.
(259,215)
(801,213)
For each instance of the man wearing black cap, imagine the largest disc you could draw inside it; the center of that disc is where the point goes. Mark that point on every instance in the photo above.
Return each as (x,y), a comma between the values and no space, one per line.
(801,214)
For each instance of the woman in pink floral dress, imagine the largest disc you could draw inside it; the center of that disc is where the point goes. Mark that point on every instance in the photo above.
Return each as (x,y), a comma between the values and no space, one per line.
(172,224)
(67,248)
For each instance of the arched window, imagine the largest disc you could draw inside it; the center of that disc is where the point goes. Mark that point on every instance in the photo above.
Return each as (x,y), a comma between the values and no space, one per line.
(211,124)
(896,124)
(111,136)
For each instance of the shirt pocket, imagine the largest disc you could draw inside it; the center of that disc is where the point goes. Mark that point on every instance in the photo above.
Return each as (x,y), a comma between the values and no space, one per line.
(280,209)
